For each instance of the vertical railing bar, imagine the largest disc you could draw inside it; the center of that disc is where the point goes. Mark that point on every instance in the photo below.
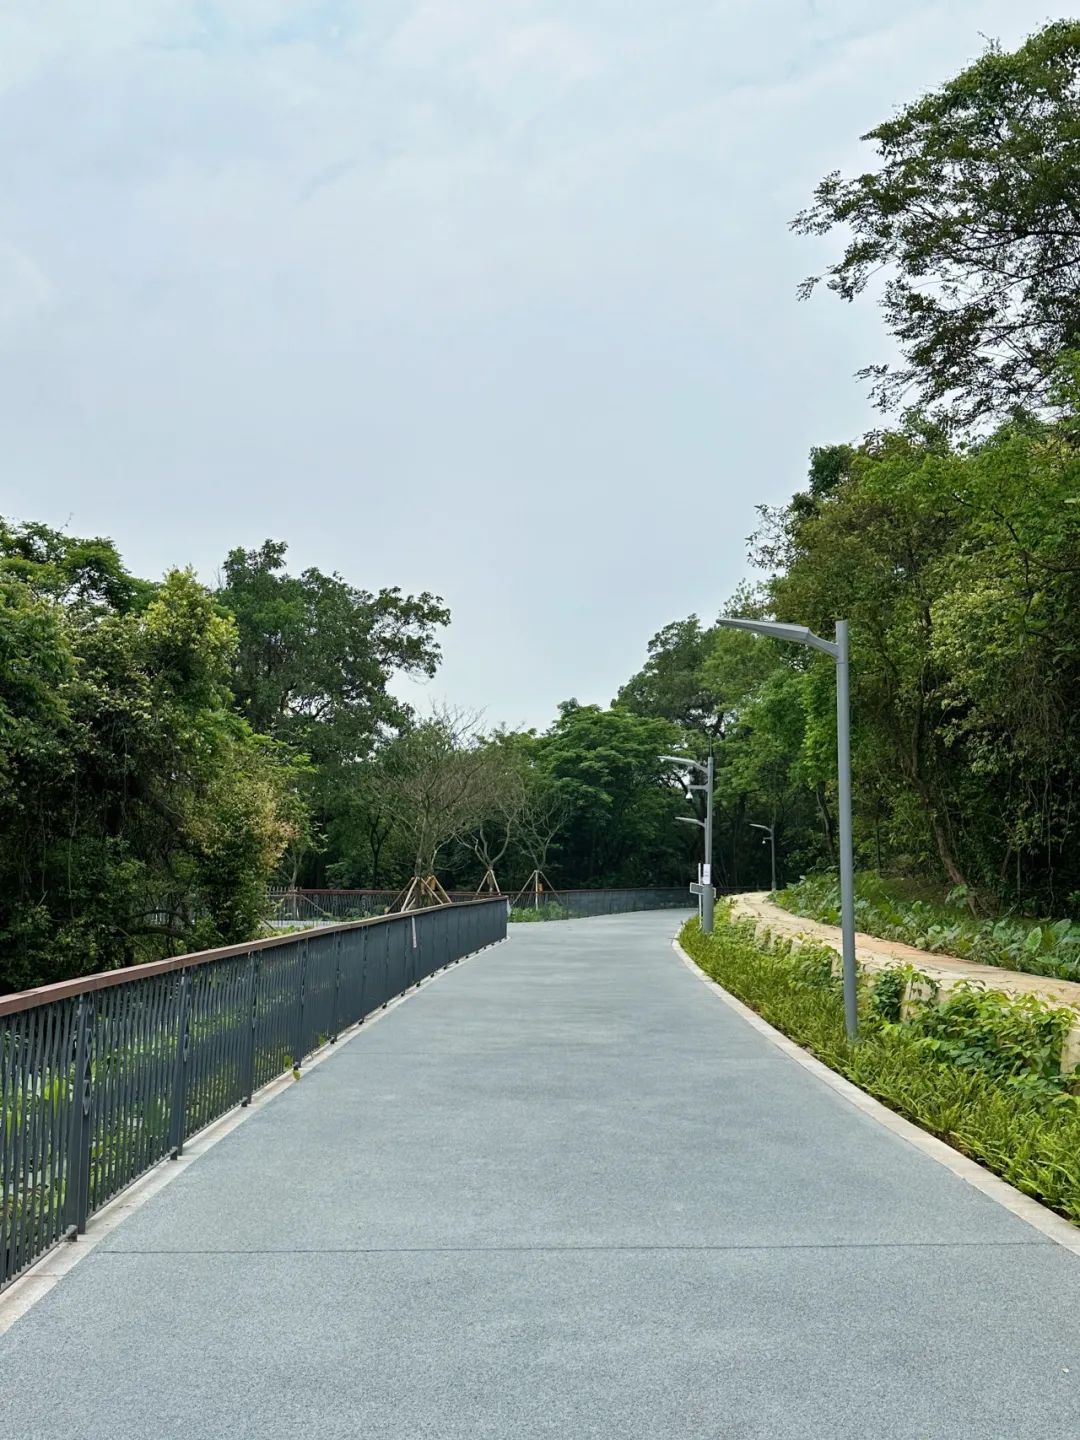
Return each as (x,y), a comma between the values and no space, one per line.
(7,1189)
(33,1051)
(30,1160)
(84,1112)
(11,1148)
(153,1108)
(126,1064)
(144,1073)
(297,1042)
(101,1095)
(239,1031)
(366,948)
(121,1069)
(48,1127)
(18,1052)
(385,928)
(335,1016)
(179,1097)
(41,1230)
(252,1006)
(105,1114)
(153,1023)
(19,1116)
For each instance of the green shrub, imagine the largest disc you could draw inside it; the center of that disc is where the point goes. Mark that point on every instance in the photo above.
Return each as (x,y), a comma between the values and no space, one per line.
(943,928)
(979,1069)
(527,915)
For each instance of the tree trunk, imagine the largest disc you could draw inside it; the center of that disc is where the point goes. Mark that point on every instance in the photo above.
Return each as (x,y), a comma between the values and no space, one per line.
(827,822)
(943,843)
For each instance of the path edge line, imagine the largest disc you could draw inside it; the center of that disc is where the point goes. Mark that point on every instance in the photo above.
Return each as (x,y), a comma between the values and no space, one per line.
(1055,1227)
(45,1273)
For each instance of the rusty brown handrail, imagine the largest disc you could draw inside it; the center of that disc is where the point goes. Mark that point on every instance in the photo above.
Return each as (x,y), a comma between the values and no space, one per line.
(105,1076)
(18,1000)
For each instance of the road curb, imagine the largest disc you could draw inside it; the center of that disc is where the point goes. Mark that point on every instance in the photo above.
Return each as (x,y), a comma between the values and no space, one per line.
(1053,1226)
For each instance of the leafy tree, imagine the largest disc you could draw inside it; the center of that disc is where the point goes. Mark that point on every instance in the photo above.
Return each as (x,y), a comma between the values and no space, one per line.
(312,668)
(139,815)
(74,572)
(672,684)
(315,654)
(972,214)
(622,800)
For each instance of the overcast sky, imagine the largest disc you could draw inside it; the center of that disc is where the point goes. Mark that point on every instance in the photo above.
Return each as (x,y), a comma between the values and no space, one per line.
(494,298)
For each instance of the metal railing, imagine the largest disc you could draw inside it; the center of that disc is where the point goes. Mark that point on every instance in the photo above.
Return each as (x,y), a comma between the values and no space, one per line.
(325,906)
(101,1078)
(586,903)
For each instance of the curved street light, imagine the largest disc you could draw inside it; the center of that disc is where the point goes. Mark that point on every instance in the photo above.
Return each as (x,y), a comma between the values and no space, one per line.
(705,891)
(770,830)
(838,649)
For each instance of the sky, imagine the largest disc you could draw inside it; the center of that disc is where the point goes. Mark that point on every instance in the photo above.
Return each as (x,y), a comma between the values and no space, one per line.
(491,298)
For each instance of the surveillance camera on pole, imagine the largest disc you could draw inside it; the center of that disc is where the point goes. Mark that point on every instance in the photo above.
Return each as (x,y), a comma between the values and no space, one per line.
(704,888)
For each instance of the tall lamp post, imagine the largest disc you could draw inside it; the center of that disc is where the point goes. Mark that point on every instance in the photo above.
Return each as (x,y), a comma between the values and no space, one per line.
(707,772)
(838,649)
(771,832)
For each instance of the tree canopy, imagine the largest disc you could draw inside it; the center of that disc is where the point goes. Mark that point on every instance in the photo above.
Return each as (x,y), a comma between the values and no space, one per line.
(971,217)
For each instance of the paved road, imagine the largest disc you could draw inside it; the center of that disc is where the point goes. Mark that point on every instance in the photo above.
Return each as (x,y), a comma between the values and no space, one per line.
(564,1191)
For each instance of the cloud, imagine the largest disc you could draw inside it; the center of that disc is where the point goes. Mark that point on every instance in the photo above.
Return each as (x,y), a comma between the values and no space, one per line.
(447,292)
(25,290)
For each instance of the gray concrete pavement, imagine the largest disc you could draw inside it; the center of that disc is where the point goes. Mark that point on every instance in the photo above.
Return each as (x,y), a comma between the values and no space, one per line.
(562,1192)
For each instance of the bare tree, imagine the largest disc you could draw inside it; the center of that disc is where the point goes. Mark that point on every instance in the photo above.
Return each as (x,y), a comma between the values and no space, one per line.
(545,812)
(490,840)
(436,780)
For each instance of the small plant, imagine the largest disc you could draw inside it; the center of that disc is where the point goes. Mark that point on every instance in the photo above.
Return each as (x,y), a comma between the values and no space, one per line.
(527,915)
(887,996)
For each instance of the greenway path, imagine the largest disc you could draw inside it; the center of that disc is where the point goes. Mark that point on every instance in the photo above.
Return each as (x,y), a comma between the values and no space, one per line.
(564,1190)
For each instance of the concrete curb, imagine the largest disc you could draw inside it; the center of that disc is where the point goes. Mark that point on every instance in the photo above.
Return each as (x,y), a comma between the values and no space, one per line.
(1053,1226)
(36,1282)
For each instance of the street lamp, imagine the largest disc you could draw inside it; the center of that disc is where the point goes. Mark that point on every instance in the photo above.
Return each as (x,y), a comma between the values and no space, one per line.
(838,649)
(706,893)
(771,831)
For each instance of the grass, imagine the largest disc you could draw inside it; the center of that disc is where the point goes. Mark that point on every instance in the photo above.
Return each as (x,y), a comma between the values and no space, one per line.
(889,910)
(979,1069)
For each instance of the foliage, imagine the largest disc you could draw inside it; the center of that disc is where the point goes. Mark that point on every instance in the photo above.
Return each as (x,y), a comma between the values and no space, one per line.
(620,800)
(958,569)
(760,715)
(311,669)
(139,815)
(529,915)
(980,1070)
(1038,948)
(314,653)
(438,781)
(972,213)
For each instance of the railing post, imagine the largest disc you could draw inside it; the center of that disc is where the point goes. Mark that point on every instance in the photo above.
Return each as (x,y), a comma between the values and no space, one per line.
(77,1192)
(363,943)
(335,1023)
(180,1071)
(299,1044)
(252,1010)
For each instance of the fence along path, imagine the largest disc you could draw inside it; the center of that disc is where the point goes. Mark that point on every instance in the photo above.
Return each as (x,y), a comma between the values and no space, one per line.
(299,905)
(103,1077)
